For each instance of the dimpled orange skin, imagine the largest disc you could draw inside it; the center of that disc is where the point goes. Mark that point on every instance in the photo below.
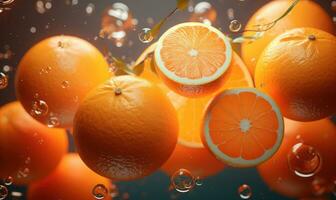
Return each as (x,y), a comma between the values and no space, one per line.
(298,70)
(319,134)
(59,70)
(126,135)
(26,143)
(72,179)
(306,13)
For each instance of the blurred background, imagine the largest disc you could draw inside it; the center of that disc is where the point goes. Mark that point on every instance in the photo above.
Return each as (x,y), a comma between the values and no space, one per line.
(24,23)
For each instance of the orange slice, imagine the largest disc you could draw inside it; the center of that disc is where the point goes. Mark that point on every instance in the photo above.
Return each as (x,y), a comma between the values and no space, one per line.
(192,58)
(243,127)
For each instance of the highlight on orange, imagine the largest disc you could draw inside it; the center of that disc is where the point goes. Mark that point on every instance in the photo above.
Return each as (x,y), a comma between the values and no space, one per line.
(29,150)
(306,13)
(297,69)
(54,76)
(125,128)
(72,179)
(279,176)
(242,127)
(200,67)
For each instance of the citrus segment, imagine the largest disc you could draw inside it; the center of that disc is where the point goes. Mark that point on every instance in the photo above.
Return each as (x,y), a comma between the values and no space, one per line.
(242,127)
(204,55)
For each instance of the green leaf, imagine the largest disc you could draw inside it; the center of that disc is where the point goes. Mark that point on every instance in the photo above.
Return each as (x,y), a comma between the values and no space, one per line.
(182,4)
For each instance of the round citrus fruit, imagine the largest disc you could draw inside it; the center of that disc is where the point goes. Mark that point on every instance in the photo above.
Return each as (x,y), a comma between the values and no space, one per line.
(242,127)
(277,173)
(298,70)
(192,58)
(190,153)
(28,150)
(72,179)
(126,128)
(55,75)
(300,16)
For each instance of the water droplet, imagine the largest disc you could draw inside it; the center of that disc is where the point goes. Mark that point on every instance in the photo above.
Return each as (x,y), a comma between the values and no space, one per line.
(245,191)
(90,8)
(235,26)
(8,180)
(182,180)
(145,35)
(3,192)
(53,122)
(304,160)
(99,191)
(204,12)
(117,20)
(39,108)
(3,81)
(198,181)
(65,84)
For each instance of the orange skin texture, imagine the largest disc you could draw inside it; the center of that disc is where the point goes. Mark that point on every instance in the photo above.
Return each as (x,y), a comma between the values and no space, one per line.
(306,13)
(26,143)
(199,161)
(48,64)
(72,179)
(128,135)
(276,173)
(300,73)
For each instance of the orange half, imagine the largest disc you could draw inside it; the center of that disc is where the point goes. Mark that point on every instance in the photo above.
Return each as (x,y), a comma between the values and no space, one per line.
(243,127)
(192,58)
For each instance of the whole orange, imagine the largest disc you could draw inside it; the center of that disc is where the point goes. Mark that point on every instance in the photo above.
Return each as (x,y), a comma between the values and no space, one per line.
(276,172)
(306,13)
(55,75)
(28,149)
(126,128)
(298,70)
(72,179)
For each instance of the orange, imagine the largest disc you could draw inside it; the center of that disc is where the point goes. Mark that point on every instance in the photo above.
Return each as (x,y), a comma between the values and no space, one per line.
(190,153)
(242,127)
(306,13)
(192,58)
(28,150)
(276,172)
(55,75)
(126,128)
(72,179)
(298,70)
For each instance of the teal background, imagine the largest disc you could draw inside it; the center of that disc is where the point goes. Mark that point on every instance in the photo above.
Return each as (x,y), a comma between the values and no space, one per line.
(15,32)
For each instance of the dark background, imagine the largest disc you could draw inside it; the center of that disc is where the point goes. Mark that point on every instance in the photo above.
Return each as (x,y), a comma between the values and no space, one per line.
(15,26)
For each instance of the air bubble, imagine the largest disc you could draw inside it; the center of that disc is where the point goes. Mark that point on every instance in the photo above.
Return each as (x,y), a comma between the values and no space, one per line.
(39,108)
(235,26)
(3,81)
(145,35)
(3,192)
(245,191)
(90,8)
(8,180)
(99,191)
(183,181)
(204,12)
(53,122)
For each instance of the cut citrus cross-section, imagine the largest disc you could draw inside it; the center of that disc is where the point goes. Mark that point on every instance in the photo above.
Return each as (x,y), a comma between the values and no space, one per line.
(242,127)
(192,58)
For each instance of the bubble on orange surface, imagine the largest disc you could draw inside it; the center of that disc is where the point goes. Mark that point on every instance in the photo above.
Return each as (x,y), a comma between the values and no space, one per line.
(304,160)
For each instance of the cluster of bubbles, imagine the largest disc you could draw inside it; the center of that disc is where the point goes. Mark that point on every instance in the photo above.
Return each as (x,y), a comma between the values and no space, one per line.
(245,191)
(203,12)
(117,20)
(71,2)
(183,181)
(304,160)
(43,6)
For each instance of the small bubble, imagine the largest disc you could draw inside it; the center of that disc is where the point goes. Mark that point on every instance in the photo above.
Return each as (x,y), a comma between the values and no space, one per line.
(182,180)
(99,191)
(245,191)
(145,36)
(3,81)
(3,192)
(90,8)
(319,186)
(230,13)
(235,26)
(114,192)
(53,122)
(304,160)
(198,181)
(65,84)
(39,108)
(333,6)
(204,12)
(8,180)
(48,5)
